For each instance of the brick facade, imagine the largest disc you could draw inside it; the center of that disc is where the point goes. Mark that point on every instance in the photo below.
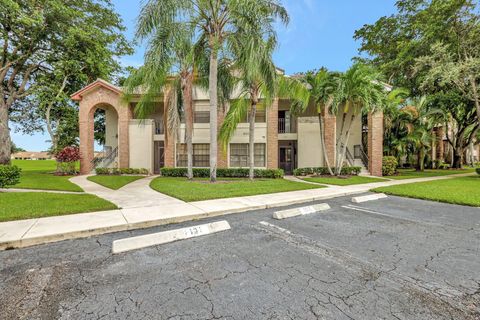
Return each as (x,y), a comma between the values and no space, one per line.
(101,94)
(272,135)
(375,143)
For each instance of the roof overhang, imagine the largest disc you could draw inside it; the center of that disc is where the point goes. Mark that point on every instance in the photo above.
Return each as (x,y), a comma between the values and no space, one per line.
(77,96)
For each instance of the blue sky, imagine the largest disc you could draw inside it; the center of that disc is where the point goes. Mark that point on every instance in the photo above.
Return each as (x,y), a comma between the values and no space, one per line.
(320,33)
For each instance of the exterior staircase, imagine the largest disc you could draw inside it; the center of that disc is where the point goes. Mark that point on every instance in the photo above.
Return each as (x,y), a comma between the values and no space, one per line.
(105,161)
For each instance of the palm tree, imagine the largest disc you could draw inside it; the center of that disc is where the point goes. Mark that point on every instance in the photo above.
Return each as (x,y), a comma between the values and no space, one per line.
(259,82)
(359,91)
(168,51)
(322,86)
(420,128)
(216,23)
(257,77)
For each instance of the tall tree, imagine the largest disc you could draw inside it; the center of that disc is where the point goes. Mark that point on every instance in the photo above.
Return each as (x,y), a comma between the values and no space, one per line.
(216,23)
(429,47)
(257,77)
(359,91)
(42,39)
(170,65)
(322,85)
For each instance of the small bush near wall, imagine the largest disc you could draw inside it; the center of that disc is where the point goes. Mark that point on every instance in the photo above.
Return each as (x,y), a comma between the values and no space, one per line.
(320,171)
(389,166)
(477,170)
(9,175)
(223,173)
(116,171)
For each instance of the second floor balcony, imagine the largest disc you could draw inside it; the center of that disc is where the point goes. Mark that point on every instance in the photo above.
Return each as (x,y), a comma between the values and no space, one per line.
(287,125)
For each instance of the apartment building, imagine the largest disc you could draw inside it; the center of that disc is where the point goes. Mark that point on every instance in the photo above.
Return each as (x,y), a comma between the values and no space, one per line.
(282,140)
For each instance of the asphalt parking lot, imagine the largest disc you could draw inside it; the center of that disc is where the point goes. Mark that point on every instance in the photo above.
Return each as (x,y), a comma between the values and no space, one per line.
(393,258)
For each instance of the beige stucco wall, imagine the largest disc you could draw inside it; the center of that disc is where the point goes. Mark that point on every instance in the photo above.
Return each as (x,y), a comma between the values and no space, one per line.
(309,150)
(141,143)
(111,127)
(355,131)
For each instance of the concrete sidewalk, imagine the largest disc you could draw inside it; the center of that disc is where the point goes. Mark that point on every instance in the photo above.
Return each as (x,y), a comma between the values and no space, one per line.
(23,233)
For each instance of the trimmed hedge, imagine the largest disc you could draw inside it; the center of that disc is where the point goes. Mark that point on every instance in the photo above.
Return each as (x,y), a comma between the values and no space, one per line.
(9,175)
(389,166)
(319,171)
(116,171)
(223,173)
(477,170)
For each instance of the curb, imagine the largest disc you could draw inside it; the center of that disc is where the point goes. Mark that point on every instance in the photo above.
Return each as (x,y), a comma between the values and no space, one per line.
(28,242)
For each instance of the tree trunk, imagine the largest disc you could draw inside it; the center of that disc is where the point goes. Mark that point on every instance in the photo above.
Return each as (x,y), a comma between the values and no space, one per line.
(251,138)
(457,158)
(339,139)
(212,89)
(421,160)
(322,143)
(5,143)
(344,148)
(188,109)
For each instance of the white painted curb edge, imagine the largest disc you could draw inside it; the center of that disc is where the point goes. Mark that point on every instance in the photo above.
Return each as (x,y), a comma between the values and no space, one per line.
(153,239)
(370,197)
(300,211)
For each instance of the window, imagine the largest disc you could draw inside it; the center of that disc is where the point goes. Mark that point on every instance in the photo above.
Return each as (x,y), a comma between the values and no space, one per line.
(260,115)
(201,155)
(201,117)
(239,155)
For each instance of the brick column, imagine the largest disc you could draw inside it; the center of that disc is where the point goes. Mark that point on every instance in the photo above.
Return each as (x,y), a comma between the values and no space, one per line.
(124,116)
(169,145)
(272,135)
(330,129)
(85,118)
(221,153)
(375,143)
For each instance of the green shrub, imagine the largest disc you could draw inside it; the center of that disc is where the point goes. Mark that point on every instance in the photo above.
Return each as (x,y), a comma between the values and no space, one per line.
(477,170)
(223,173)
(9,175)
(444,166)
(389,165)
(320,171)
(116,171)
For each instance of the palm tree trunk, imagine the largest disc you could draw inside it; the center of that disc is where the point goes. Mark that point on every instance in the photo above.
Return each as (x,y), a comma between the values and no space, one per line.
(5,143)
(322,143)
(188,105)
(337,144)
(344,148)
(421,159)
(212,89)
(251,139)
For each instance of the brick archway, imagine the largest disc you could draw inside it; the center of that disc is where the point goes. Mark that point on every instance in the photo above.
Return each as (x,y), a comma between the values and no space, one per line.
(101,93)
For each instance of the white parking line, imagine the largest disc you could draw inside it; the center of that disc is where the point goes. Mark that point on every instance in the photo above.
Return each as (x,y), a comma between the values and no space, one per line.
(356,208)
(369,197)
(290,213)
(153,239)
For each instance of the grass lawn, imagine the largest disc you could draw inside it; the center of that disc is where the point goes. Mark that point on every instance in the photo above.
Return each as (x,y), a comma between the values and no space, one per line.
(113,182)
(201,189)
(462,190)
(344,181)
(411,173)
(37,174)
(26,205)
